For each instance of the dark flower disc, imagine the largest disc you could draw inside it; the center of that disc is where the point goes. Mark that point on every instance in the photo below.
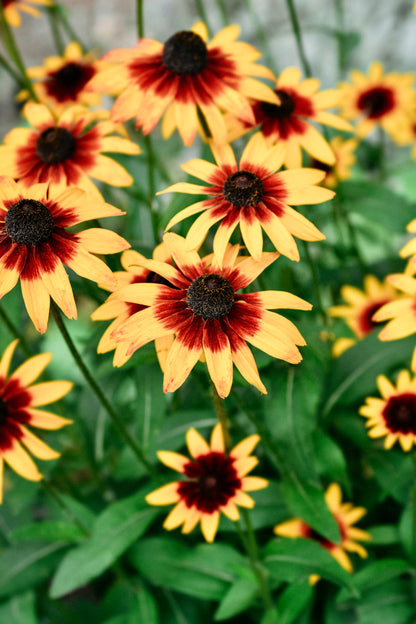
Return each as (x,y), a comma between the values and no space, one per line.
(185,53)
(55,145)
(279,111)
(376,102)
(67,82)
(400,413)
(210,296)
(243,188)
(29,222)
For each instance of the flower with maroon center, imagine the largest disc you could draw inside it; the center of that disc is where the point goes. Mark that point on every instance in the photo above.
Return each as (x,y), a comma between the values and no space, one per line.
(35,243)
(11,9)
(394,415)
(67,150)
(253,194)
(183,78)
(120,311)
(344,159)
(216,482)
(64,80)
(346,515)
(378,99)
(360,309)
(19,401)
(209,317)
(289,123)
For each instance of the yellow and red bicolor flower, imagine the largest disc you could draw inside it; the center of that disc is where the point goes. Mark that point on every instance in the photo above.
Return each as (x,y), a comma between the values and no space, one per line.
(289,123)
(119,310)
(216,482)
(252,194)
(66,150)
(184,77)
(378,99)
(361,305)
(209,317)
(346,515)
(36,242)
(12,7)
(64,80)
(394,415)
(19,403)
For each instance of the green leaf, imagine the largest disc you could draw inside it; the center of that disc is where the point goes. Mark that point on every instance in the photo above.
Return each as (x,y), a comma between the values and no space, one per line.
(25,565)
(393,472)
(143,609)
(308,503)
(172,434)
(270,507)
(237,599)
(384,535)
(20,609)
(204,572)
(112,533)
(47,531)
(150,404)
(391,603)
(374,574)
(290,559)
(353,375)
(293,600)
(331,462)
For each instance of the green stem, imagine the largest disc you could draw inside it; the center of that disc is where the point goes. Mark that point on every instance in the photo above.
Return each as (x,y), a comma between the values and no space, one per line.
(262,37)
(222,415)
(223,10)
(52,492)
(53,14)
(203,14)
(10,45)
(15,332)
(140,20)
(414,511)
(298,36)
(316,283)
(115,418)
(152,187)
(72,35)
(342,56)
(16,77)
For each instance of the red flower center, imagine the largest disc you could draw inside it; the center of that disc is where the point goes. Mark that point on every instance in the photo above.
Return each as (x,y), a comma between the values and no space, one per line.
(365,321)
(5,3)
(400,413)
(66,83)
(279,111)
(243,188)
(214,482)
(55,145)
(29,222)
(4,412)
(376,102)
(210,296)
(185,53)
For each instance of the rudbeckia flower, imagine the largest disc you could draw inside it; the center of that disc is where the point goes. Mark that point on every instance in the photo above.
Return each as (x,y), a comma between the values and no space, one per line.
(19,400)
(344,159)
(346,515)
(216,482)
(289,123)
(202,307)
(67,150)
(120,311)
(394,415)
(253,194)
(361,307)
(12,7)
(35,243)
(385,100)
(185,76)
(64,80)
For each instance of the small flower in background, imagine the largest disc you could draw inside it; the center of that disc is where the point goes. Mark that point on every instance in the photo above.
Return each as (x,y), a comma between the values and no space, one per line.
(35,244)
(216,482)
(19,401)
(346,515)
(345,158)
(183,77)
(254,195)
(63,80)
(393,416)
(66,150)
(360,309)
(12,7)
(288,123)
(119,310)
(208,317)
(378,99)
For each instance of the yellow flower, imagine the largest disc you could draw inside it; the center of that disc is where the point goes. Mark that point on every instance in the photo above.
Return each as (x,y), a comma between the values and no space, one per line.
(19,400)
(393,416)
(254,195)
(12,7)
(345,158)
(185,76)
(346,515)
(216,483)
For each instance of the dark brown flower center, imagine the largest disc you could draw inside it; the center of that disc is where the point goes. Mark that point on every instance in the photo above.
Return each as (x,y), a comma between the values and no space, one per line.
(155,278)
(67,82)
(243,188)
(185,53)
(3,412)
(376,102)
(214,482)
(29,222)
(210,296)
(279,111)
(55,145)
(366,319)
(400,413)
